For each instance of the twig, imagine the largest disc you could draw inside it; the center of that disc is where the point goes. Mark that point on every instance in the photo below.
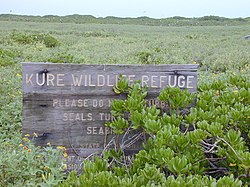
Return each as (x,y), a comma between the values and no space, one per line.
(106,147)
(210,145)
(71,145)
(127,131)
(134,140)
(212,159)
(92,154)
(220,169)
(230,147)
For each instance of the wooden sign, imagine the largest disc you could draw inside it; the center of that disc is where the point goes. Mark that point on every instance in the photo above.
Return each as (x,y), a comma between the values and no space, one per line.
(68,105)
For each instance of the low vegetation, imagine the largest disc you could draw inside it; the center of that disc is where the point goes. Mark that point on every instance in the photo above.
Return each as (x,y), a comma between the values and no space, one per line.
(206,145)
(172,21)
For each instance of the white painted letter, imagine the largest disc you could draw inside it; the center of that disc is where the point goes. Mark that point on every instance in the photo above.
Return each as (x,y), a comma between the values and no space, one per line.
(76,81)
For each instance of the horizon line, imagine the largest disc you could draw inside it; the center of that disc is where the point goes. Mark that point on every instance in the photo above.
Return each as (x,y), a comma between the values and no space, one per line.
(127,17)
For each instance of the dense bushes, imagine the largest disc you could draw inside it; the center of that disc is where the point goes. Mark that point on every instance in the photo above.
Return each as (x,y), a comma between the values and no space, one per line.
(23,38)
(215,49)
(144,20)
(63,57)
(6,58)
(149,176)
(207,145)
(23,164)
(204,146)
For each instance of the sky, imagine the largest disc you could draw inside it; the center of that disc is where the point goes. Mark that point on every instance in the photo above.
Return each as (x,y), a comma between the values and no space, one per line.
(128,8)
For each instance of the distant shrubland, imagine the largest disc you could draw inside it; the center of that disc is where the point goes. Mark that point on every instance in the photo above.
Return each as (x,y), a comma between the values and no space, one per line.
(171,21)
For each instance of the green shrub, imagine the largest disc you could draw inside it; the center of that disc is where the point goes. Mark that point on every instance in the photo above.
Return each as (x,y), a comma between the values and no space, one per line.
(10,102)
(62,57)
(202,147)
(48,40)
(22,163)
(6,58)
(145,57)
(213,136)
(22,38)
(28,165)
(101,34)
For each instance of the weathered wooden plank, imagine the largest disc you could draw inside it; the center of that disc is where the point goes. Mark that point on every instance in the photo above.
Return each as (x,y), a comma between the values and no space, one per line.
(68,105)
(99,79)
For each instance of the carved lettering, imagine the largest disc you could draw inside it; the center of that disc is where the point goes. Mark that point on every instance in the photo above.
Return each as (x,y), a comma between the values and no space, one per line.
(43,79)
(172,81)
(50,79)
(189,81)
(131,79)
(70,116)
(153,81)
(29,79)
(162,80)
(181,81)
(90,81)
(90,145)
(74,166)
(86,103)
(100,80)
(144,80)
(109,81)
(98,130)
(106,117)
(76,81)
(60,80)
(157,103)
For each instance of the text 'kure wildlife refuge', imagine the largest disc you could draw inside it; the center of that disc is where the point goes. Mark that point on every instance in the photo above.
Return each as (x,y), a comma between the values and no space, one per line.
(99,80)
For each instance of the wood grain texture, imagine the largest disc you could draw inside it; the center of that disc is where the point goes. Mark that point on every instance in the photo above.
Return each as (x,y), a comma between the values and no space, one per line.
(68,105)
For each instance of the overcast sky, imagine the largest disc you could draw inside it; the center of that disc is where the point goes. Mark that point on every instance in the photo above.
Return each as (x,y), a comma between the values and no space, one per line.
(129,8)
